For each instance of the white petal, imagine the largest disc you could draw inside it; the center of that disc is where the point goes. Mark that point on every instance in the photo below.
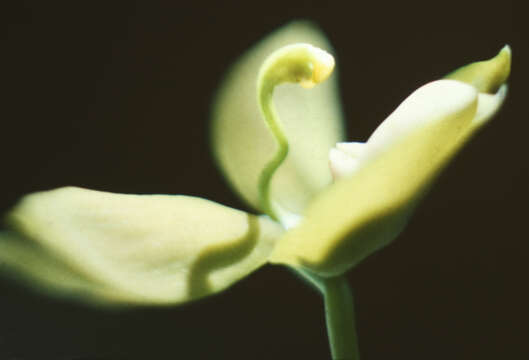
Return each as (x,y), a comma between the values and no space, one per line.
(425,107)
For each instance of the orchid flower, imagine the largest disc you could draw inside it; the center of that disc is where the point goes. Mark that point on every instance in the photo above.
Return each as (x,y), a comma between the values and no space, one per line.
(327,204)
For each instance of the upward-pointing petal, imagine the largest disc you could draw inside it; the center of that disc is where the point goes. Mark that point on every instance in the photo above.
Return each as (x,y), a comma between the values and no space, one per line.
(489,78)
(362,213)
(486,76)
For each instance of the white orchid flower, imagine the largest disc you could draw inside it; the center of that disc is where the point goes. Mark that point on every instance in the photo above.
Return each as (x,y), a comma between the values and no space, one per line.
(327,204)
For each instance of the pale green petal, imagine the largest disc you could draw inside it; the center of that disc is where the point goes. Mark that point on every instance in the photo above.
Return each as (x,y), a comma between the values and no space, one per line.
(427,106)
(489,78)
(312,119)
(104,247)
(362,213)
(486,76)
(365,211)
(21,259)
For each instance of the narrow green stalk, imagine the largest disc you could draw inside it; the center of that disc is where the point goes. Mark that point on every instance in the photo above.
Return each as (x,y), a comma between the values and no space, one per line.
(339,313)
(315,281)
(272,121)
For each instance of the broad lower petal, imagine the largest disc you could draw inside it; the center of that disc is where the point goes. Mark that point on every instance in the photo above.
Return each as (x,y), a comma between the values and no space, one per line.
(153,249)
(312,120)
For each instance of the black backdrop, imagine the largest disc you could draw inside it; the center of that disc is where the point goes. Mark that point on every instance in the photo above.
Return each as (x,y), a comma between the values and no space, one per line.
(115,96)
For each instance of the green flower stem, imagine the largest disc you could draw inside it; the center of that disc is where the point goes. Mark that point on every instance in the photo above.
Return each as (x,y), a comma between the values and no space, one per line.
(339,313)
(315,281)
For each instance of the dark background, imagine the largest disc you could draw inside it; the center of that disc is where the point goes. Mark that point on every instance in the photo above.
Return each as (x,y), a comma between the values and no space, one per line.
(115,96)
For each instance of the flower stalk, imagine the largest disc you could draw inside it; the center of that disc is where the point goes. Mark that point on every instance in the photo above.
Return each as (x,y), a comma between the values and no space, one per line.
(340,318)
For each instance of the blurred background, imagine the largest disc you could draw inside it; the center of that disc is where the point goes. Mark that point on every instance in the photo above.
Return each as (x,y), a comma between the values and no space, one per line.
(115,96)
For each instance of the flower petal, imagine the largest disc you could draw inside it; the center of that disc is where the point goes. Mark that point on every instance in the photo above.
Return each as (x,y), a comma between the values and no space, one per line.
(488,105)
(489,78)
(104,247)
(22,258)
(364,212)
(312,120)
(486,76)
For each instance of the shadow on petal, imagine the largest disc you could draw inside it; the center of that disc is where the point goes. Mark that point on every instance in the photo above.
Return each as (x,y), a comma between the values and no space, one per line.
(217,257)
